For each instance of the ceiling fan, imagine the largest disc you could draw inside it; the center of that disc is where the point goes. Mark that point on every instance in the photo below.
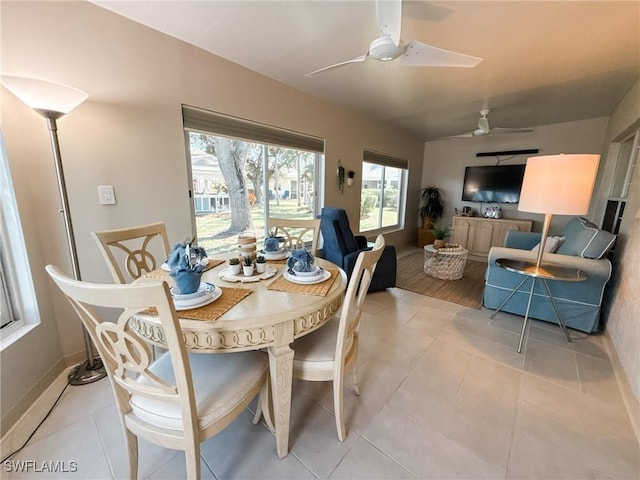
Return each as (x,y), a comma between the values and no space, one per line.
(388,46)
(484,129)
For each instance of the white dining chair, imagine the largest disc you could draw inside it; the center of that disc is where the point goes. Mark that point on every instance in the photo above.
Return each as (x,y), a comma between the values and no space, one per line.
(129,251)
(296,231)
(330,352)
(178,400)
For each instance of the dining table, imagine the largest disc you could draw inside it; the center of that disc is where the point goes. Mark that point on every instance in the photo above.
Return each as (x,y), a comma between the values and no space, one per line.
(264,314)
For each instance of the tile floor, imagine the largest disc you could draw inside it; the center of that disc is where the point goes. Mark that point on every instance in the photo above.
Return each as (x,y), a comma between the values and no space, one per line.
(444,394)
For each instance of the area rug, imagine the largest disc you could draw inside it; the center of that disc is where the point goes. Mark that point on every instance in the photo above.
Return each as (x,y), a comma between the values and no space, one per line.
(467,291)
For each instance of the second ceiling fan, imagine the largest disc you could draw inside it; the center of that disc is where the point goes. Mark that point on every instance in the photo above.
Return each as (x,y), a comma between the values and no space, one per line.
(388,46)
(484,128)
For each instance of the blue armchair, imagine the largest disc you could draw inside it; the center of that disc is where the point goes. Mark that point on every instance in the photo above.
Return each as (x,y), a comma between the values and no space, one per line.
(342,247)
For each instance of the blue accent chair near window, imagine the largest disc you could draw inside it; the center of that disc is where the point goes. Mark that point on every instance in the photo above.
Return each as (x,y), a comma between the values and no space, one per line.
(342,247)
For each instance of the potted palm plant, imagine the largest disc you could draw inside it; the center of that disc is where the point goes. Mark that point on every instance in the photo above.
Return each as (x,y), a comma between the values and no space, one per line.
(431,207)
(440,233)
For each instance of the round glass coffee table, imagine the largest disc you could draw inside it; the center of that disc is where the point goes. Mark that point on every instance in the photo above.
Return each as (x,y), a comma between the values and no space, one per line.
(445,263)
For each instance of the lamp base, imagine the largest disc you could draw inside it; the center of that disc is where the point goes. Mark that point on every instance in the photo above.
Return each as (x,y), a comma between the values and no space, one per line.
(83,375)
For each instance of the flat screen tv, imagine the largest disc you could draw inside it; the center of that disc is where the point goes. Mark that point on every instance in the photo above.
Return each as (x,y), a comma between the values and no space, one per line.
(493,183)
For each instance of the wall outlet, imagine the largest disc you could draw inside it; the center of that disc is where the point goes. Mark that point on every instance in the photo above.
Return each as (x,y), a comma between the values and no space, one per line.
(106,195)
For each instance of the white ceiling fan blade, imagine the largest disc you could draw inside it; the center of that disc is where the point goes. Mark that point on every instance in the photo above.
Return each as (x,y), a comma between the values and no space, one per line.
(463,135)
(389,17)
(419,54)
(499,130)
(361,58)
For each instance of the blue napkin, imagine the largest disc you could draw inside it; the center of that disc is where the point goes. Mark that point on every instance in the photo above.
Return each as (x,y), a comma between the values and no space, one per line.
(186,268)
(301,260)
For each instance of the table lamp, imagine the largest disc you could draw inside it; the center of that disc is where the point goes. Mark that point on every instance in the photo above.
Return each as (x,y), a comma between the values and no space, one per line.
(557,184)
(52,101)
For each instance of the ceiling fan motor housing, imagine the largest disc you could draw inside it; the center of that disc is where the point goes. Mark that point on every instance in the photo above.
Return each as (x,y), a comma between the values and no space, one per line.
(383,48)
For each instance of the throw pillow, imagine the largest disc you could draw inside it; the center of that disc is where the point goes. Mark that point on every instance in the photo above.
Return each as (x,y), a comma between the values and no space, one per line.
(551,245)
(584,239)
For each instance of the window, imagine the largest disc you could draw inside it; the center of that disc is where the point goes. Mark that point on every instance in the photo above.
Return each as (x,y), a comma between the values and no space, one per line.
(18,307)
(626,161)
(383,195)
(243,173)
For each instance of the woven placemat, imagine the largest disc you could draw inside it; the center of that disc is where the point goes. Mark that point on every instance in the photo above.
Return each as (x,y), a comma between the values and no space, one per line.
(281,261)
(229,298)
(164,275)
(320,289)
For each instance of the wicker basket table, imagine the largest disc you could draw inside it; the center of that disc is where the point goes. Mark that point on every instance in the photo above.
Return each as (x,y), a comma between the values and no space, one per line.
(445,263)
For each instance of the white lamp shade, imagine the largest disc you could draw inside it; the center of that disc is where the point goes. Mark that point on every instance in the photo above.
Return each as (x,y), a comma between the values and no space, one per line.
(559,184)
(41,95)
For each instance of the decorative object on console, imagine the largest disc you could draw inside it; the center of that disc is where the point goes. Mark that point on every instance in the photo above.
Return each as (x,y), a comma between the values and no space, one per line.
(53,101)
(493,211)
(557,184)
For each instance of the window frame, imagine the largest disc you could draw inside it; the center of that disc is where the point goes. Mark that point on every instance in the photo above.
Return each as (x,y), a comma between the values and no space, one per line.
(207,122)
(16,278)
(384,161)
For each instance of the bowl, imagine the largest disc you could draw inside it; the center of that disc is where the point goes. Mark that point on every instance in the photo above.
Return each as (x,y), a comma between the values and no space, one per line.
(202,290)
(315,272)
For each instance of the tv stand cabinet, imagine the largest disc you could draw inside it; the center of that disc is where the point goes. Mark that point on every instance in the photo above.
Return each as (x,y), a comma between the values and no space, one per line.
(479,234)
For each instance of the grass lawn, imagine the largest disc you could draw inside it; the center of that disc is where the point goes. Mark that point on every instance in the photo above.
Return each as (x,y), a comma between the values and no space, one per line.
(212,229)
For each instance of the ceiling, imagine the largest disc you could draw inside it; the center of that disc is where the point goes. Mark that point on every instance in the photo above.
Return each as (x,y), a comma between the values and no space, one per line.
(544,62)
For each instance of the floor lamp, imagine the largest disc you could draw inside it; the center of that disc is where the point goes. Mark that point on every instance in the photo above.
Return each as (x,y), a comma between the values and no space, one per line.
(557,184)
(52,101)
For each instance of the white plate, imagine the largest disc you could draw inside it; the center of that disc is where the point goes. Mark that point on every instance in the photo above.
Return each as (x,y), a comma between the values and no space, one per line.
(313,273)
(203,289)
(206,299)
(326,275)
(165,266)
(279,255)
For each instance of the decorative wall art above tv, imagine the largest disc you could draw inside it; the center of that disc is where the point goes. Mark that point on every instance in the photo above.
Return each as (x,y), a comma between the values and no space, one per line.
(493,183)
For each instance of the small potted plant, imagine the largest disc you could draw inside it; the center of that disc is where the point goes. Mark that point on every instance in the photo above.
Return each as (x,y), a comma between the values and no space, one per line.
(440,233)
(234,266)
(260,264)
(247,266)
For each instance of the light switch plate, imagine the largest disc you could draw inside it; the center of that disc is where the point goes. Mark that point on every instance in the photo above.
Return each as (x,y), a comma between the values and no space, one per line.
(106,195)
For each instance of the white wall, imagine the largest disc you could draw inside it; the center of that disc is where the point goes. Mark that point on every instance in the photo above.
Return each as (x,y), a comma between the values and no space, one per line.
(623,322)
(445,160)
(129,135)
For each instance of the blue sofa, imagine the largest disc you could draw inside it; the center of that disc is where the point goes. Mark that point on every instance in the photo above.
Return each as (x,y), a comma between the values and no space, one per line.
(584,247)
(341,246)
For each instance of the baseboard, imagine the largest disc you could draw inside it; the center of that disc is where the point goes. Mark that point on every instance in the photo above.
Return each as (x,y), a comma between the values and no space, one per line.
(37,410)
(631,403)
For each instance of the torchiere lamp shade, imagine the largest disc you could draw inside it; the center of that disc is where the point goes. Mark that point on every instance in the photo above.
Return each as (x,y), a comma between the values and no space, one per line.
(43,96)
(559,184)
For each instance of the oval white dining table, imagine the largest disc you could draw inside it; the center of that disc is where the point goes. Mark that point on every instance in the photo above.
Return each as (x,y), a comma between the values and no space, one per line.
(265,319)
